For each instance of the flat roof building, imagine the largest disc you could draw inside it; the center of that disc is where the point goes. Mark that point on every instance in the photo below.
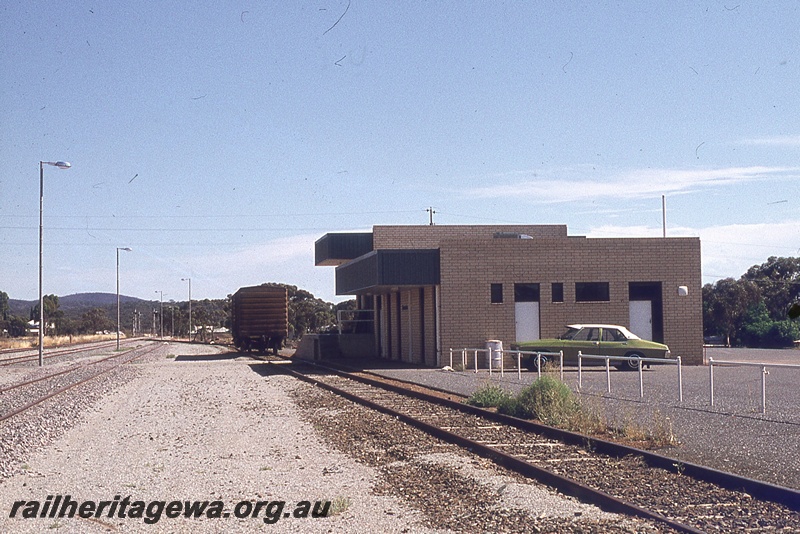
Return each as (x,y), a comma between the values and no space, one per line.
(427,289)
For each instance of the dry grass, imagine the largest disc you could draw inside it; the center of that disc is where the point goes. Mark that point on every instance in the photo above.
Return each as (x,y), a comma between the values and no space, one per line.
(51,341)
(626,428)
(581,414)
(593,420)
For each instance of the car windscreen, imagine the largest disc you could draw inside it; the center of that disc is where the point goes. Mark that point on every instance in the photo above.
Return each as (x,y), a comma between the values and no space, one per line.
(569,334)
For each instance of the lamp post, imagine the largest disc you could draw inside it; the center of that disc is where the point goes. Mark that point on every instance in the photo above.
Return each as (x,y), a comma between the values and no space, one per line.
(60,165)
(126,249)
(161,315)
(190,305)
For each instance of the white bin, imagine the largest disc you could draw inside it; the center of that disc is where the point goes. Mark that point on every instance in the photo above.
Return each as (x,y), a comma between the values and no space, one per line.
(494,353)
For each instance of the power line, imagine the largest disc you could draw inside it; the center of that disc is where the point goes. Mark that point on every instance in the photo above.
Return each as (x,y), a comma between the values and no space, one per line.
(240,216)
(198,229)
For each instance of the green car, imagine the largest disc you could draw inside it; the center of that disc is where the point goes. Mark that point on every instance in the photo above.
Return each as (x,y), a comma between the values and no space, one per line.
(595,340)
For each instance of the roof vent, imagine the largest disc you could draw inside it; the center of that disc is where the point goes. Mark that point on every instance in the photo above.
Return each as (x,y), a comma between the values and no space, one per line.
(511,235)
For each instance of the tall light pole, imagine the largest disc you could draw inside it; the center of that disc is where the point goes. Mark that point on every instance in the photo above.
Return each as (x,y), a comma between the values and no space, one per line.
(126,249)
(60,165)
(190,305)
(161,314)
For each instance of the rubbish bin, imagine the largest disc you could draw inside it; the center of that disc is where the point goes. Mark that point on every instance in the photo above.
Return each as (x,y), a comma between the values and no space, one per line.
(494,353)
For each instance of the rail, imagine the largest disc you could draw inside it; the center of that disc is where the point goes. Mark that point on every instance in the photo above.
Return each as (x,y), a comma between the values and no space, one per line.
(764,372)
(482,439)
(639,361)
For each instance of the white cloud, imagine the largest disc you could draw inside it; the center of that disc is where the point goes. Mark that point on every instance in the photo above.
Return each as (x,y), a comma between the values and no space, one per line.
(727,250)
(732,249)
(780,140)
(288,260)
(584,183)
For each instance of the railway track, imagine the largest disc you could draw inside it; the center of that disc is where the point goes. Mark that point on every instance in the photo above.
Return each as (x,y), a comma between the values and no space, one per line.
(18,397)
(682,496)
(7,358)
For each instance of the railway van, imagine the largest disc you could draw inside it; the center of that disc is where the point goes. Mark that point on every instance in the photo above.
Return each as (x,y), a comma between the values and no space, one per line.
(260,318)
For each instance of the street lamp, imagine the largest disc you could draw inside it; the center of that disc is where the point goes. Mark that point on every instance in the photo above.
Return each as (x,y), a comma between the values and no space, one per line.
(161,314)
(190,305)
(60,165)
(126,249)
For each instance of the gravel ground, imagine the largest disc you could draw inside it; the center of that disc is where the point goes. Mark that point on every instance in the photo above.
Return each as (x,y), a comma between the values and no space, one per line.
(190,424)
(731,436)
(458,491)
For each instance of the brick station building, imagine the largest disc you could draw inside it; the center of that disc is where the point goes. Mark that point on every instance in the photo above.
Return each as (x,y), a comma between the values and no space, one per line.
(432,288)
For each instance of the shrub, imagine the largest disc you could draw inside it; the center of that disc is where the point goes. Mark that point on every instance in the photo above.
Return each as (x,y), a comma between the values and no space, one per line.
(760,330)
(548,399)
(488,396)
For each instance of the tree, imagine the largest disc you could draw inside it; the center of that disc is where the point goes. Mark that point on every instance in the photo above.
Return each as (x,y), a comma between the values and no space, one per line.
(307,313)
(4,309)
(779,283)
(758,308)
(95,320)
(51,312)
(17,327)
(4,326)
(725,304)
(208,313)
(760,330)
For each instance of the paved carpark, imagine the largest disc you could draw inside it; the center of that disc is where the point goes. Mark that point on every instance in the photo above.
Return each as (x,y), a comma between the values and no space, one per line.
(733,435)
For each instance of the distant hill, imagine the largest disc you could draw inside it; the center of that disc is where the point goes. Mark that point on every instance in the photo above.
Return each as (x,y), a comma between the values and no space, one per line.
(94,300)
(74,305)
(20,307)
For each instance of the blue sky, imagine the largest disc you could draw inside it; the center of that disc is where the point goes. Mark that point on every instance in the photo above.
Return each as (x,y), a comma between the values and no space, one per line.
(219,140)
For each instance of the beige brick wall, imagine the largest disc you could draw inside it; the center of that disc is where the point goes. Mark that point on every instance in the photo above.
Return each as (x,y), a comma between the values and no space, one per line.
(468,267)
(471,259)
(430,236)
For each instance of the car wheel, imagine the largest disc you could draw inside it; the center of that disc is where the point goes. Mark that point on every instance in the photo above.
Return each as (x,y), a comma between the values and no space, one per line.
(533,361)
(630,365)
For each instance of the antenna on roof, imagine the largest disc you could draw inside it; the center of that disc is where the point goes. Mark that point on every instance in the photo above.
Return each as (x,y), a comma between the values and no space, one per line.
(430,211)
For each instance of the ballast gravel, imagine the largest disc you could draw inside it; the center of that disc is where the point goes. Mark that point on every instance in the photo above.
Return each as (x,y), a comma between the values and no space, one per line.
(190,423)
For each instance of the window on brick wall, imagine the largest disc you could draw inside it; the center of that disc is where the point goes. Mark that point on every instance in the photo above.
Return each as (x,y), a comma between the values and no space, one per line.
(526,292)
(496,293)
(591,292)
(558,292)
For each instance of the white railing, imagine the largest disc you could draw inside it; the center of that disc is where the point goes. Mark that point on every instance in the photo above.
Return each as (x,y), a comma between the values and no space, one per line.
(356,314)
(465,352)
(723,363)
(538,356)
(639,361)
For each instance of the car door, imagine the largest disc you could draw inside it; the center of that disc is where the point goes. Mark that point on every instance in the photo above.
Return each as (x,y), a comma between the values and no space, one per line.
(586,340)
(613,342)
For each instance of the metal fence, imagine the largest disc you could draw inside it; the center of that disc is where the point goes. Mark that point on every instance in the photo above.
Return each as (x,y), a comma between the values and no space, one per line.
(669,361)
(497,362)
(764,372)
(496,357)
(351,320)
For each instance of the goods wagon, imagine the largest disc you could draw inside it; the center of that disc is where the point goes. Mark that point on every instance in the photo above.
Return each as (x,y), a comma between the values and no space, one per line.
(259,318)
